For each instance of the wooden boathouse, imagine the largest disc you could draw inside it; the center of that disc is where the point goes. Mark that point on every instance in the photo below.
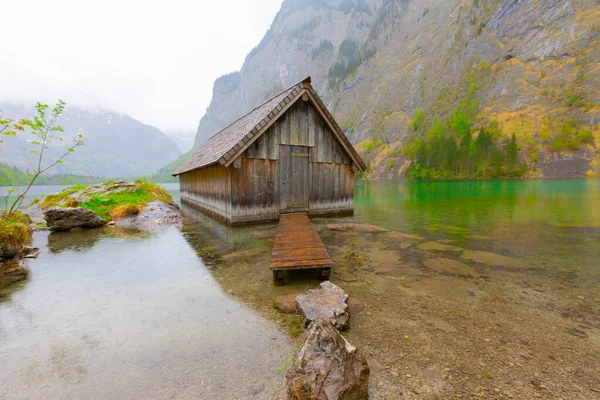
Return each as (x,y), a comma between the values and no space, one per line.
(287,155)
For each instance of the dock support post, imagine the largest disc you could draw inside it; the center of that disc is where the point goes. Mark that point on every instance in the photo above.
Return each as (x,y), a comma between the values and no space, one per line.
(278,277)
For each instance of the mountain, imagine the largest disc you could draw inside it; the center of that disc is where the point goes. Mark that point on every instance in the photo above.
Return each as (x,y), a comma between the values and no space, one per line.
(183,140)
(413,83)
(116,145)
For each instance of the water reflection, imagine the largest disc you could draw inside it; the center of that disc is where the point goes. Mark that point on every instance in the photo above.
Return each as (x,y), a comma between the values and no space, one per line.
(121,316)
(78,240)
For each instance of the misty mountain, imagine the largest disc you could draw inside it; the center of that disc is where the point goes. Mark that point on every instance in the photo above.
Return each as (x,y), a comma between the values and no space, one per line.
(116,145)
(183,140)
(528,68)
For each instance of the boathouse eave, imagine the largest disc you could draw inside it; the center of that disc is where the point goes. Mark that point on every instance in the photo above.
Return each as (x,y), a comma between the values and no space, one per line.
(196,169)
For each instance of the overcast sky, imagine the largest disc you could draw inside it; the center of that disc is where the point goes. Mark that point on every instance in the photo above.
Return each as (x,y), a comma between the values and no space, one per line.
(153,60)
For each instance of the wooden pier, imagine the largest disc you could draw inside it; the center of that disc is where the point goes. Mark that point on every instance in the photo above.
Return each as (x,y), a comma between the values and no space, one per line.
(298,246)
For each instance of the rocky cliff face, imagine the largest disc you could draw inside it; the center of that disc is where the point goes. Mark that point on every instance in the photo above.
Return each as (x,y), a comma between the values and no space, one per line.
(532,67)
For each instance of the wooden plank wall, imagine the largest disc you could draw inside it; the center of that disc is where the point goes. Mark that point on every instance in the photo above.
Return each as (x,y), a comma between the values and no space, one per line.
(208,188)
(332,188)
(301,125)
(252,191)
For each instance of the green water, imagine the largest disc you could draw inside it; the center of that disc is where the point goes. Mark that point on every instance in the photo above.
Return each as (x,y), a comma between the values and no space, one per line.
(548,223)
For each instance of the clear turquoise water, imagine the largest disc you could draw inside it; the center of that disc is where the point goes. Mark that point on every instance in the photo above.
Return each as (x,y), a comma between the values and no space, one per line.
(551,224)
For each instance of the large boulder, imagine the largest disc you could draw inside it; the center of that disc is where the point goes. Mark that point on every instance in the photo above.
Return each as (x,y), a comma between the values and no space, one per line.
(327,367)
(63,219)
(328,302)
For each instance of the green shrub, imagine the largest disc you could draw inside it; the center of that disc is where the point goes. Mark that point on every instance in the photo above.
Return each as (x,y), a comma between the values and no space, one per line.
(372,145)
(585,136)
(575,100)
(418,120)
(391,164)
(533,156)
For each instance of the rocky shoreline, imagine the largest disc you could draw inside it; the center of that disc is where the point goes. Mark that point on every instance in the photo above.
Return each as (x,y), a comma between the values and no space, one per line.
(69,211)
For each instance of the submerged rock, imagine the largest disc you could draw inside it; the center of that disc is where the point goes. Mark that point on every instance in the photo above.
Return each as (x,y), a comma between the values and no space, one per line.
(286,303)
(328,302)
(9,250)
(491,258)
(351,226)
(438,323)
(11,272)
(438,246)
(452,267)
(64,219)
(327,367)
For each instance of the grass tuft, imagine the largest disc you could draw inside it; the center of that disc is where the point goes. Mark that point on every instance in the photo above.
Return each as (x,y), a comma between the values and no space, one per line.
(70,202)
(293,324)
(125,210)
(16,230)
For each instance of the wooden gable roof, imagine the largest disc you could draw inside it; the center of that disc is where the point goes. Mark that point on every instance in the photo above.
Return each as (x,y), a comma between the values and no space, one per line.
(232,141)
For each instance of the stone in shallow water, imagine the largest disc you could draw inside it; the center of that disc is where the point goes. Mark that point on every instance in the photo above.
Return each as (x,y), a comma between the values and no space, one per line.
(491,258)
(438,246)
(13,272)
(576,332)
(287,303)
(328,302)
(63,219)
(363,228)
(449,266)
(438,323)
(327,367)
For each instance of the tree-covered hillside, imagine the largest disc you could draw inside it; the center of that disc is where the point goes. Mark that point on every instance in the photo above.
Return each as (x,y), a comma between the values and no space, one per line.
(12,176)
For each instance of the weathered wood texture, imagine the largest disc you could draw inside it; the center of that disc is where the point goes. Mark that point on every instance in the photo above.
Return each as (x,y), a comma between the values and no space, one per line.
(298,245)
(332,189)
(208,189)
(293,179)
(297,164)
(300,125)
(254,191)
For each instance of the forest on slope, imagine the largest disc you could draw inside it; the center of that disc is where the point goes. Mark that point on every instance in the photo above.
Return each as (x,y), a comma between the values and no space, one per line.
(438,89)
(13,176)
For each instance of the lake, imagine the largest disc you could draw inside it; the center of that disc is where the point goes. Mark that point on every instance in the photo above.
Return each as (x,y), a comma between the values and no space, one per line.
(457,288)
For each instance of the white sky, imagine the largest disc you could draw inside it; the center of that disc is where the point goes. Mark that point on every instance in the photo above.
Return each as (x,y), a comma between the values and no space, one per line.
(154,60)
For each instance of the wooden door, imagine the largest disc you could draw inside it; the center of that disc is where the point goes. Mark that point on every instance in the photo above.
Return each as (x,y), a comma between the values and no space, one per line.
(293,179)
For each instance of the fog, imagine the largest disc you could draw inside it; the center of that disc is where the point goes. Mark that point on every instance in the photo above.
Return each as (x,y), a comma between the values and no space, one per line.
(155,61)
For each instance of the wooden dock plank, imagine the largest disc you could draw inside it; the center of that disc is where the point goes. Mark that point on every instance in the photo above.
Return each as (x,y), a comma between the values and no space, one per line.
(298,245)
